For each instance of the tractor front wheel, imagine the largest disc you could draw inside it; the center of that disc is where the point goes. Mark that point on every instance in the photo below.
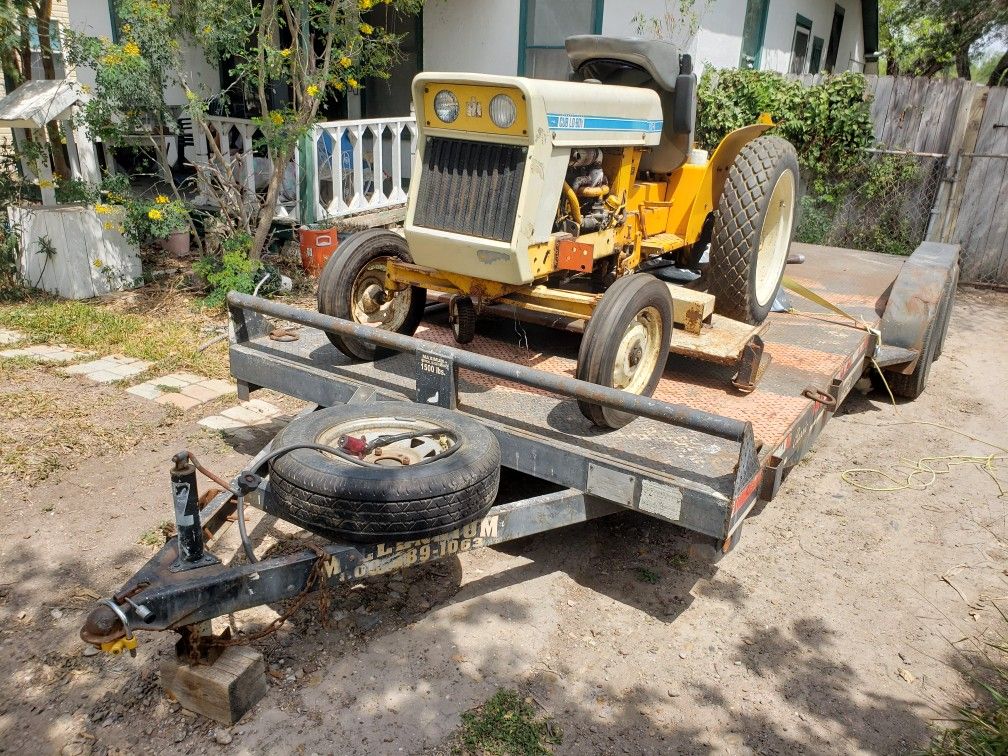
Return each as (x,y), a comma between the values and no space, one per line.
(626,343)
(352,287)
(752,229)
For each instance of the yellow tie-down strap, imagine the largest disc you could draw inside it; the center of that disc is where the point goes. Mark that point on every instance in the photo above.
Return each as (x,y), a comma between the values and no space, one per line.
(803,291)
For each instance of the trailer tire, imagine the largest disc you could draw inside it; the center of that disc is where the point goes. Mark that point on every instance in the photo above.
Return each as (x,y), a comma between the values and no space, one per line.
(948,303)
(911,385)
(634,317)
(353,276)
(371,503)
(753,226)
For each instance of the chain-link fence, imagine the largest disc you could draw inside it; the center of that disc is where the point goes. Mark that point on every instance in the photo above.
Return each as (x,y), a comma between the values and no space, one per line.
(886,205)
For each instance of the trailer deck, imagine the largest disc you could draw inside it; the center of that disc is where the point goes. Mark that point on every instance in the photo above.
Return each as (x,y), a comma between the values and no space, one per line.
(545,435)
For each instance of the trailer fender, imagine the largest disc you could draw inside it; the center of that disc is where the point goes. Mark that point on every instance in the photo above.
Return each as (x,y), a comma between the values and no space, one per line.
(915,298)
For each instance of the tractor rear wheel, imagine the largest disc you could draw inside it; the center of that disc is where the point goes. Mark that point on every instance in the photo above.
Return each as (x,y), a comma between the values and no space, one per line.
(352,287)
(752,229)
(626,343)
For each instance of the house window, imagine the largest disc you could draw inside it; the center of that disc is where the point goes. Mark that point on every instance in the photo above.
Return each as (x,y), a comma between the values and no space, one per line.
(834,39)
(816,61)
(37,70)
(544,26)
(800,45)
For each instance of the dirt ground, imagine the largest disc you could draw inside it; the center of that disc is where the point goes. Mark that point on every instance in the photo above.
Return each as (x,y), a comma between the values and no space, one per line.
(846,620)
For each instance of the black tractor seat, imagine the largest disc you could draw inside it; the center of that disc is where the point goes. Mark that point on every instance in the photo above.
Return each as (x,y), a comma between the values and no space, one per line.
(611,60)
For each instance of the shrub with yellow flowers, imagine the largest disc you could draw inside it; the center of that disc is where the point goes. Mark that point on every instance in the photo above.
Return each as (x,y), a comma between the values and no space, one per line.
(339,45)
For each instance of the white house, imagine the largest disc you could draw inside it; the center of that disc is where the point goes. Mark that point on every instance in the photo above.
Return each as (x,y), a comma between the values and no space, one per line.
(526,36)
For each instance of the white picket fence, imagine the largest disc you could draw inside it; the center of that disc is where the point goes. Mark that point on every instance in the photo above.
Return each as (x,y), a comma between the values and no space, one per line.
(357,166)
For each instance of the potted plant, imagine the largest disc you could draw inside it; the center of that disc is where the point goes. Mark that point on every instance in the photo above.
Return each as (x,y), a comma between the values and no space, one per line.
(168,224)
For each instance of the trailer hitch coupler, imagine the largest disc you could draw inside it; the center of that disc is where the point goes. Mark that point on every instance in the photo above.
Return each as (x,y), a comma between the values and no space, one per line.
(188,526)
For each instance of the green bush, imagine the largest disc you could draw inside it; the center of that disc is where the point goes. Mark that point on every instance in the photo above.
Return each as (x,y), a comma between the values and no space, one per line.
(852,197)
(232,270)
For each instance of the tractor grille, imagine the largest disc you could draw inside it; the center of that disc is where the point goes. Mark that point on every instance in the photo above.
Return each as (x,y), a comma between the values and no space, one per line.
(470,188)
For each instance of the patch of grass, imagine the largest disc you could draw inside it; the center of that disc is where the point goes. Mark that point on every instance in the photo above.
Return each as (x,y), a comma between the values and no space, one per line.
(157,536)
(169,389)
(678,560)
(44,430)
(165,330)
(981,729)
(647,576)
(507,725)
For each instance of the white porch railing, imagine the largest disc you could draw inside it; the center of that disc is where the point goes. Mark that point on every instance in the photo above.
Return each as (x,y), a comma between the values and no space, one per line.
(362,166)
(235,139)
(358,166)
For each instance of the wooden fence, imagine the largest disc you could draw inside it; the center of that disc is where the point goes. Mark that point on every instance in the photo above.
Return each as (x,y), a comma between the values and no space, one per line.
(959,130)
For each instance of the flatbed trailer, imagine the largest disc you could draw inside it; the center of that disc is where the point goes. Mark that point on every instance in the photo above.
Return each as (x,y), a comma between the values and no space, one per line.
(700,455)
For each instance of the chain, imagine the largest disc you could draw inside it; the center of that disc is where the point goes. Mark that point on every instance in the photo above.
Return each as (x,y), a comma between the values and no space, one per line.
(316,581)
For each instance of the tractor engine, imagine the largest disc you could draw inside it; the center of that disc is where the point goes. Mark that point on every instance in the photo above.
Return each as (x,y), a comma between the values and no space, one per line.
(590,187)
(505,164)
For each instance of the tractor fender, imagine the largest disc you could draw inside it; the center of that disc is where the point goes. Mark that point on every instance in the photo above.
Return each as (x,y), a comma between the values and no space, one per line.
(712,184)
(915,298)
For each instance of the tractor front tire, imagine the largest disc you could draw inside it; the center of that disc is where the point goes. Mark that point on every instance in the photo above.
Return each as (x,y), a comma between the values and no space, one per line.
(626,343)
(352,287)
(753,226)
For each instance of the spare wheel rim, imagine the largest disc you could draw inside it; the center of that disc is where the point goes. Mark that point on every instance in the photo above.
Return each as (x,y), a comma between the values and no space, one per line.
(775,237)
(638,352)
(367,292)
(398,454)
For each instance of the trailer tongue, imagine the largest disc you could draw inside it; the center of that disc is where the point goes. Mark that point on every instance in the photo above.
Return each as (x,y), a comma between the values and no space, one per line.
(700,455)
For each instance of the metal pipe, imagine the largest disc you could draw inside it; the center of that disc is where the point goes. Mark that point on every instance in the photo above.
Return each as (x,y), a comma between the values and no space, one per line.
(674,414)
(187,512)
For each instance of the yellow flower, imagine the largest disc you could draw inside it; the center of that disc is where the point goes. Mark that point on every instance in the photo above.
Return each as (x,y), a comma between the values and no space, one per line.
(286,52)
(154,214)
(366,5)
(98,264)
(345,62)
(111,59)
(366,28)
(85,88)
(338,85)
(126,28)
(161,199)
(276,118)
(108,225)
(46,184)
(102,209)
(312,90)
(207,30)
(352,83)
(131,49)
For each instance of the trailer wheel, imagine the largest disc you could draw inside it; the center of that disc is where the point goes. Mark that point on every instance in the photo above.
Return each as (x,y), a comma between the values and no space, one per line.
(626,343)
(393,495)
(911,385)
(752,229)
(352,287)
(948,302)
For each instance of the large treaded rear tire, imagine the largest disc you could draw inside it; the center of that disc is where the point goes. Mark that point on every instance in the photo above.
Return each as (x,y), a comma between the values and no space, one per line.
(369,504)
(738,225)
(338,278)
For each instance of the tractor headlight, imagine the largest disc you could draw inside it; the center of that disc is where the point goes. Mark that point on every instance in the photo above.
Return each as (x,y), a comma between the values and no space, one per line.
(503,111)
(446,106)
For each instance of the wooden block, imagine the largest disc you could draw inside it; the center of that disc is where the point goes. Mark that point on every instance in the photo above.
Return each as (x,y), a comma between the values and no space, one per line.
(222,691)
(683,299)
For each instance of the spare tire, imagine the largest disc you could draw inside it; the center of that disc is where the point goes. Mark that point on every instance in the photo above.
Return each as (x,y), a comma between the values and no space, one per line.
(393,495)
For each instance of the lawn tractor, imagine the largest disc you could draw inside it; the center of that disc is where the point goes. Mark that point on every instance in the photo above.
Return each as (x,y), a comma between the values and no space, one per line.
(555,198)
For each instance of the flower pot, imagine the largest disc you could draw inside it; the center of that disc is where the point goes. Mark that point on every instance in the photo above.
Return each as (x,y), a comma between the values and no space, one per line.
(176,243)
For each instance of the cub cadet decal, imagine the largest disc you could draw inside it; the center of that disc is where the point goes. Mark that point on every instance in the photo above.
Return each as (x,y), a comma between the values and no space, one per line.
(569,122)
(389,557)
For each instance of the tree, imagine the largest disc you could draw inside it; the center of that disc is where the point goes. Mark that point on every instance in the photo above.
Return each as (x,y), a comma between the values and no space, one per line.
(929,37)
(312,49)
